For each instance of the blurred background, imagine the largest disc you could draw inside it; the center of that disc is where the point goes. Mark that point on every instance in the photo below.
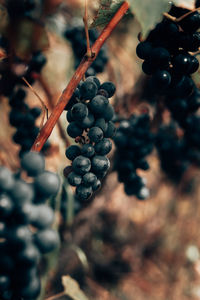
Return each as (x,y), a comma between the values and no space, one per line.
(119,247)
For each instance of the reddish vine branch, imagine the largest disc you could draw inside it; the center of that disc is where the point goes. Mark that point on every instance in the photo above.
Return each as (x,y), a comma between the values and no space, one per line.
(84,65)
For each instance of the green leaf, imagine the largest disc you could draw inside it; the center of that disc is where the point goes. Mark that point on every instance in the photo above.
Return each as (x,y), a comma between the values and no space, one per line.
(106,11)
(189,4)
(149,12)
(72,289)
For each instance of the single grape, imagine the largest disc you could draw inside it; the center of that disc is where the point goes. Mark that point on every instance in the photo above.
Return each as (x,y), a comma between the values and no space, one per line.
(79,111)
(100,164)
(95,134)
(46,240)
(47,184)
(33,163)
(88,150)
(72,152)
(74,179)
(109,87)
(103,147)
(89,179)
(81,165)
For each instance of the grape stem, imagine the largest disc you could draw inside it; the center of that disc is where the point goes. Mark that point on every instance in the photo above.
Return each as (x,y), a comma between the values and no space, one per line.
(76,78)
(48,93)
(57,296)
(85,21)
(177,20)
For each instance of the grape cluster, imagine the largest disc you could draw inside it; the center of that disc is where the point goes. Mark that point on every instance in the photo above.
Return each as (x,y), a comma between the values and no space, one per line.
(20,8)
(10,77)
(134,142)
(23,118)
(25,227)
(76,35)
(168,59)
(171,150)
(89,116)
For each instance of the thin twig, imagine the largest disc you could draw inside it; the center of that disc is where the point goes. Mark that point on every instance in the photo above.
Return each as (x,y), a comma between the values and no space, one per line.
(85,21)
(46,89)
(44,107)
(56,296)
(78,75)
(177,20)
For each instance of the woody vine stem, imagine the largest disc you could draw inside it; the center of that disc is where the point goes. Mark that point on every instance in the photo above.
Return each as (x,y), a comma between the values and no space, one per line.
(84,65)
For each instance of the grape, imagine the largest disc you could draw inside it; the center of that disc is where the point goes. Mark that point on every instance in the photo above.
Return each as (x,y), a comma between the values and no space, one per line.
(161,79)
(79,111)
(19,237)
(33,163)
(101,123)
(109,87)
(36,112)
(74,130)
(103,147)
(110,132)
(6,179)
(22,192)
(72,152)
(74,179)
(42,216)
(89,179)
(6,206)
(76,35)
(46,240)
(81,165)
(29,256)
(88,150)
(31,290)
(148,67)
(182,63)
(69,116)
(143,50)
(4,283)
(95,134)
(160,57)
(87,122)
(108,113)
(37,62)
(47,184)
(93,127)
(83,193)
(88,90)
(100,164)
(98,104)
(95,80)
(191,23)
(96,185)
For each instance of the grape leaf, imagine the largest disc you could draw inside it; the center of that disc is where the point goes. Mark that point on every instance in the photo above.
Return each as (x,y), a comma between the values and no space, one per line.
(72,289)
(106,11)
(189,4)
(149,12)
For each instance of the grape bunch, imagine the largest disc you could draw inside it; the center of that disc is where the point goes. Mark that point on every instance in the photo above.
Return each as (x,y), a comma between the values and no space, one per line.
(177,148)
(20,8)
(90,122)
(25,227)
(23,118)
(76,35)
(168,58)
(11,73)
(134,142)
